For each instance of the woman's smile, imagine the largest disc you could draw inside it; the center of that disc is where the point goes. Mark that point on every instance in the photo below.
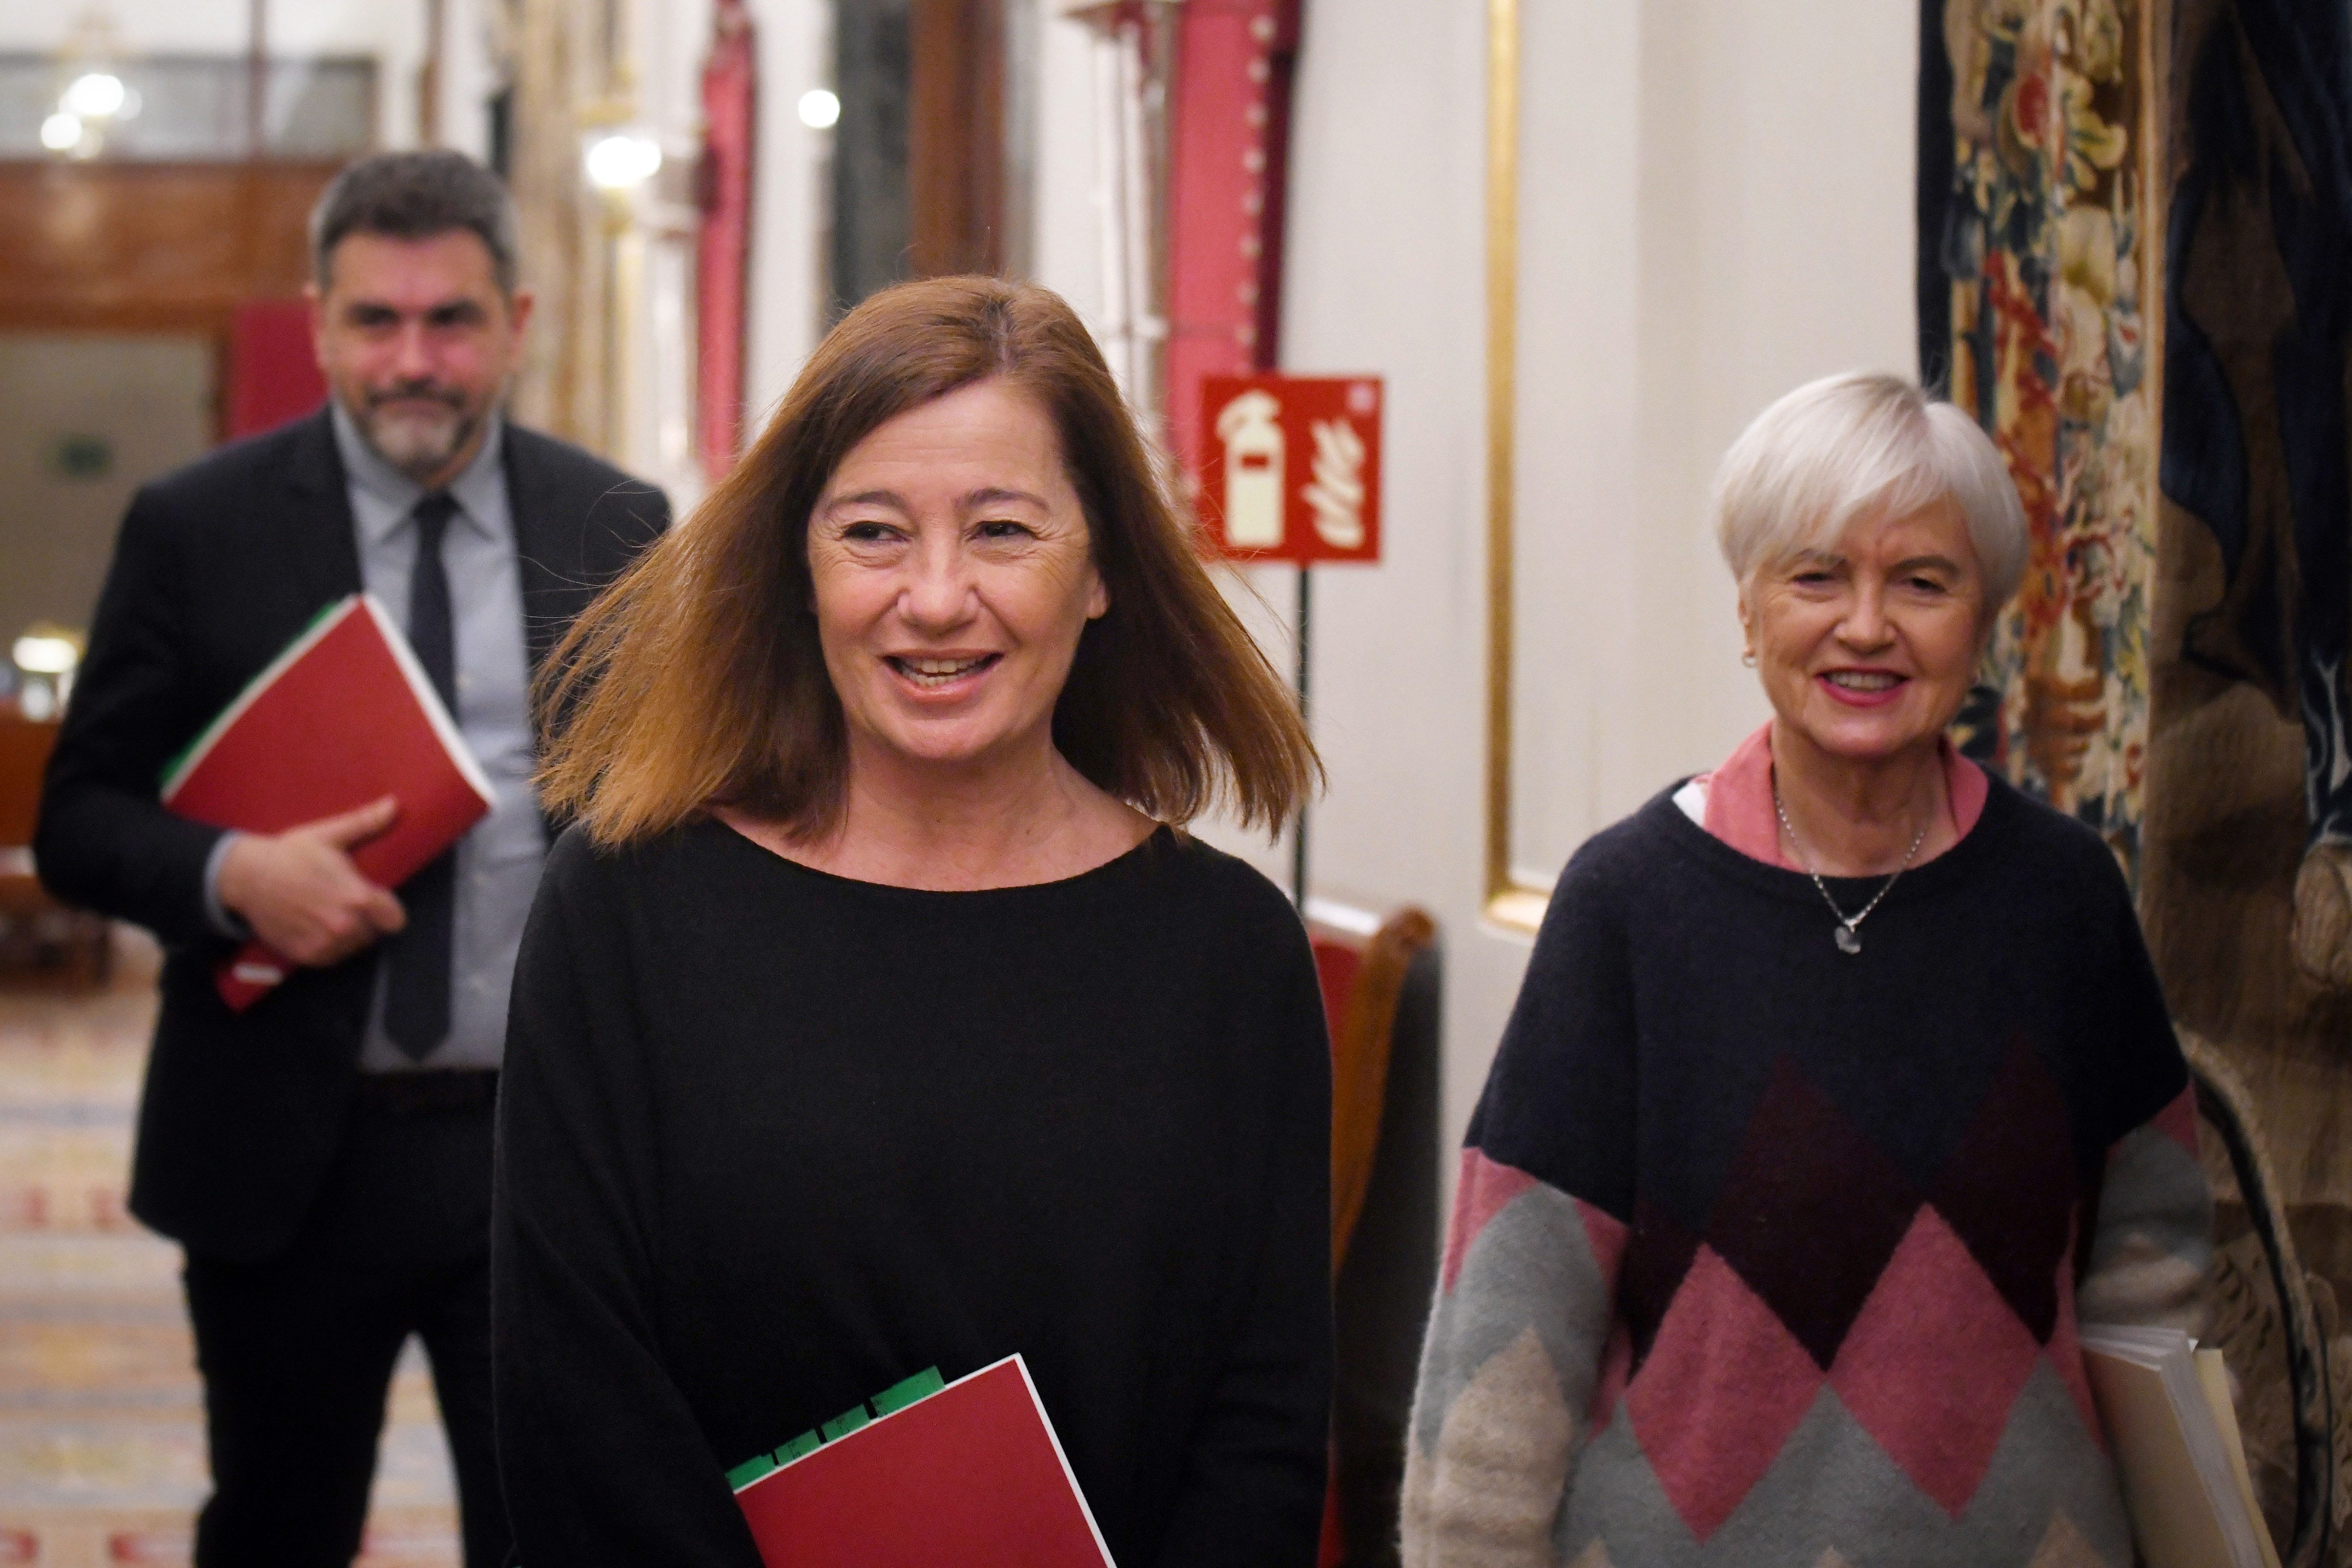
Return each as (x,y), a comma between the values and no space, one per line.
(931,676)
(1863,688)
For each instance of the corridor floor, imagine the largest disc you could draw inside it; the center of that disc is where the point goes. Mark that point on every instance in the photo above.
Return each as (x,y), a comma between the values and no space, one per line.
(101,1415)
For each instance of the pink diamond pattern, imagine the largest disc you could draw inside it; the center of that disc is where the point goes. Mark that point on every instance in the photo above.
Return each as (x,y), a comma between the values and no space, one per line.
(1485,1189)
(1606,1235)
(1720,1349)
(1616,1366)
(2065,1353)
(2178,1121)
(1934,1362)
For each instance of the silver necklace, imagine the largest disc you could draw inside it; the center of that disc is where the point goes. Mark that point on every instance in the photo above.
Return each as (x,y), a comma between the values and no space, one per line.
(1848,927)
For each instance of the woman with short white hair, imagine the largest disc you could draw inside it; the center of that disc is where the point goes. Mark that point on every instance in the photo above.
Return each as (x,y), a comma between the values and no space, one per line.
(1839,1092)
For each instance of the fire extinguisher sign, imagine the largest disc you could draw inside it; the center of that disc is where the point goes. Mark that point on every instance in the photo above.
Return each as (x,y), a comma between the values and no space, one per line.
(1289,467)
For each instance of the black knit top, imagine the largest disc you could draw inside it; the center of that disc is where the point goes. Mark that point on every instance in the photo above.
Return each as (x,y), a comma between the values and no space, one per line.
(1677,977)
(771,1141)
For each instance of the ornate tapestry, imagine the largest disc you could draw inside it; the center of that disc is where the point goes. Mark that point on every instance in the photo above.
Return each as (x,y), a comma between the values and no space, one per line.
(2245,894)
(2175,671)
(2259,351)
(2032,311)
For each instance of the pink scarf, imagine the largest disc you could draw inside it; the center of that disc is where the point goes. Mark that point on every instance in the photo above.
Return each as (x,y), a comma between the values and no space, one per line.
(1740,798)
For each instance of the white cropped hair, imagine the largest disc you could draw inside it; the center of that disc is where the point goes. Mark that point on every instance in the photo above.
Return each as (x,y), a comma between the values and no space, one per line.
(1837,449)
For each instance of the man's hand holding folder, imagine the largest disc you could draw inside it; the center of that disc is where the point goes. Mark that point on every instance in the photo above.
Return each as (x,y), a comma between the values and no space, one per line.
(348,775)
(300,893)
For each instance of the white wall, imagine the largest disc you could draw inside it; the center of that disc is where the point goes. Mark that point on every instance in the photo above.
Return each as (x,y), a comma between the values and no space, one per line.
(1717,204)
(788,209)
(1717,201)
(1066,253)
(1717,207)
(467,76)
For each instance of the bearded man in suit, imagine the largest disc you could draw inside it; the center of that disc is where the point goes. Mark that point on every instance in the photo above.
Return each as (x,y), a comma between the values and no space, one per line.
(324,1158)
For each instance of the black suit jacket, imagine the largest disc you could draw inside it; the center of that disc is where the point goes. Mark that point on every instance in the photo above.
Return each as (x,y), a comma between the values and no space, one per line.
(218,567)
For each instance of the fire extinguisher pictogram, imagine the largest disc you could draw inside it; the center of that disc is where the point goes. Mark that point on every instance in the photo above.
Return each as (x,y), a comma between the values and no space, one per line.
(1253,442)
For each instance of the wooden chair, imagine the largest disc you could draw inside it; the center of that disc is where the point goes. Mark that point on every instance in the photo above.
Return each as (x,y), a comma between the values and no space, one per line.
(1380,979)
(38,936)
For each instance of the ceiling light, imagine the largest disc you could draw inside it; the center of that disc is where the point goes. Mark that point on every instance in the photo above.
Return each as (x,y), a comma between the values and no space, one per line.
(820,109)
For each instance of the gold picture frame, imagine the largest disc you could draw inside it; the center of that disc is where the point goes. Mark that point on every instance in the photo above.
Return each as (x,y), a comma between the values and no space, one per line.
(1511,901)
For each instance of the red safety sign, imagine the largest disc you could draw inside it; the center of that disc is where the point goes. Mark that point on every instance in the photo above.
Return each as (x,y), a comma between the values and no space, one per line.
(1289,467)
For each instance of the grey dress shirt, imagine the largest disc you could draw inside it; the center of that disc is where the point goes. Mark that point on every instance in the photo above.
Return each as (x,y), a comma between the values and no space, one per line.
(499,861)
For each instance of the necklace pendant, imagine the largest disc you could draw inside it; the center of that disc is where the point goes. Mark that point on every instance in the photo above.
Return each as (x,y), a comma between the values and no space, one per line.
(1848,939)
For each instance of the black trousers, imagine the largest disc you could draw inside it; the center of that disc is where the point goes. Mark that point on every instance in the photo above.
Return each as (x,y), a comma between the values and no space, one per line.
(297,1353)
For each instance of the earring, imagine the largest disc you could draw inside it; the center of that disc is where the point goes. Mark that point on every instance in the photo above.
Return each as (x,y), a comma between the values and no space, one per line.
(1749,658)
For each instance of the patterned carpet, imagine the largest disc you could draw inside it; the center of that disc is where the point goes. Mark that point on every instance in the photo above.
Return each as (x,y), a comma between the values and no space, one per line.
(101,1414)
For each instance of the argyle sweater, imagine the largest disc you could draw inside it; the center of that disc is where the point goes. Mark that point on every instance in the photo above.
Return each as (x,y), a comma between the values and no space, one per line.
(1764,1254)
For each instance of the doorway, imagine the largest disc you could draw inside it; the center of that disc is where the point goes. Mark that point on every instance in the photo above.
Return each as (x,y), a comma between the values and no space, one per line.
(86,418)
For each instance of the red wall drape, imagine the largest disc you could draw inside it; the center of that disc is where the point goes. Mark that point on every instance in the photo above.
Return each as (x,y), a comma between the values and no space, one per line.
(723,243)
(1228,153)
(271,375)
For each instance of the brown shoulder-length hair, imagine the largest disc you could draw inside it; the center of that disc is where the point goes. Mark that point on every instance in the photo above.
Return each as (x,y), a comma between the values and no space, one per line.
(696,679)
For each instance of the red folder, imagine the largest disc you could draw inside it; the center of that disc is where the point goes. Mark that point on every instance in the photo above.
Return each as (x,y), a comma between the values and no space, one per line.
(971,1475)
(344,716)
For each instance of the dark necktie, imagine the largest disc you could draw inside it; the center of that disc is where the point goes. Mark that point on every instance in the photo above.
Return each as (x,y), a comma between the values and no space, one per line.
(416,994)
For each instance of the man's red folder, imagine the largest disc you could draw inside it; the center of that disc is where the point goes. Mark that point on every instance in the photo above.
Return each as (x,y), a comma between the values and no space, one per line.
(971,1475)
(344,717)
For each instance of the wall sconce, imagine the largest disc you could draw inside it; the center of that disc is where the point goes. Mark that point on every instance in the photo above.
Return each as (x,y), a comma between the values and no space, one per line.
(619,161)
(94,98)
(99,95)
(47,657)
(820,109)
(92,104)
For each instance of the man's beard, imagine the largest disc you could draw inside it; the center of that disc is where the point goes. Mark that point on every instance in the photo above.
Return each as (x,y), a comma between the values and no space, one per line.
(419,444)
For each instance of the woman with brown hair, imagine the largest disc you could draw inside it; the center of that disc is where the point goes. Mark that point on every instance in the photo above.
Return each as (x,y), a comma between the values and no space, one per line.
(875,1016)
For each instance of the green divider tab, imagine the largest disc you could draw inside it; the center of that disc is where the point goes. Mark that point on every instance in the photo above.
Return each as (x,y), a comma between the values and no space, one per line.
(899,1396)
(843,1424)
(750,1470)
